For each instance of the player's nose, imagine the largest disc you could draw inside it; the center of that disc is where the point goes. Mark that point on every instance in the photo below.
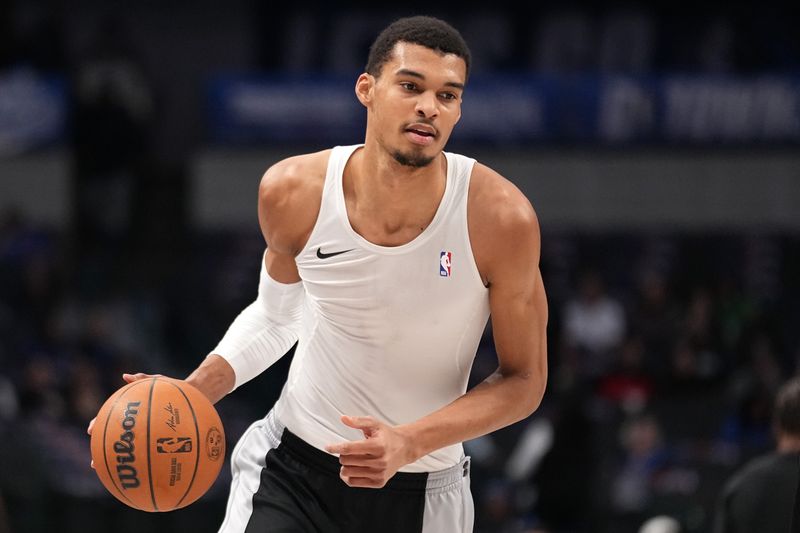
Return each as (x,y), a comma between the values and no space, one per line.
(426,105)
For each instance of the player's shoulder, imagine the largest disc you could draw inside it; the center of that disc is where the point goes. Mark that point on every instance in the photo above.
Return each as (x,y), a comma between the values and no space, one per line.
(294,178)
(502,224)
(498,203)
(289,199)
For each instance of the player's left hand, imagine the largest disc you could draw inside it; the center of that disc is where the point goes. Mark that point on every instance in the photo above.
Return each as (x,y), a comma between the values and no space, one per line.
(372,462)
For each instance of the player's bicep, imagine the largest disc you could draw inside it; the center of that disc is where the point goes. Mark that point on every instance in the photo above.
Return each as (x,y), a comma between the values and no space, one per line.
(274,210)
(276,197)
(519,323)
(279,259)
(517,299)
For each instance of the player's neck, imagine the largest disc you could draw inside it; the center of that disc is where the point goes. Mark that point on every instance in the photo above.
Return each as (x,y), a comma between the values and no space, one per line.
(380,181)
(388,206)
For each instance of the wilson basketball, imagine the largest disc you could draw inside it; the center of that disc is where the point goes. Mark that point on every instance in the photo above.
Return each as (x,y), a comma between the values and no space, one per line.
(158,444)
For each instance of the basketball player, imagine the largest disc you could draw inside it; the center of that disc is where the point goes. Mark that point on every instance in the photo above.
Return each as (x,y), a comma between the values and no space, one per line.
(763,496)
(385,261)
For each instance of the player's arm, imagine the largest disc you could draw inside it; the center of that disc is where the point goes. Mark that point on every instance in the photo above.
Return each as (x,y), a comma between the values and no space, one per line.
(506,245)
(265,330)
(504,232)
(288,204)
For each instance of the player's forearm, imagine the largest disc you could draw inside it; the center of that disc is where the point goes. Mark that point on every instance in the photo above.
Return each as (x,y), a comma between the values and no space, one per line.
(497,402)
(264,331)
(214,378)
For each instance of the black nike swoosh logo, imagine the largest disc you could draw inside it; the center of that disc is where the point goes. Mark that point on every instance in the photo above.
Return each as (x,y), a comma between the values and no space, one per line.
(323,255)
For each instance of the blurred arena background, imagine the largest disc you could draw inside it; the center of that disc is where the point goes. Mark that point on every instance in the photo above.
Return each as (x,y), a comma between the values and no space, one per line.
(658,143)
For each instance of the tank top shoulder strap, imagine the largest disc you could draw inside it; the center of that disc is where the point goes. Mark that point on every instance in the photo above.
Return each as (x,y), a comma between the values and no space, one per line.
(460,169)
(330,211)
(333,176)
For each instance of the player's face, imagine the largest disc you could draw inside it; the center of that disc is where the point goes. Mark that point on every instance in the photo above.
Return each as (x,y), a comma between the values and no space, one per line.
(415,102)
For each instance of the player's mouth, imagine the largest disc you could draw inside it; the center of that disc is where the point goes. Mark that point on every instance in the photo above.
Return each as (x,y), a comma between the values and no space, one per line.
(422,134)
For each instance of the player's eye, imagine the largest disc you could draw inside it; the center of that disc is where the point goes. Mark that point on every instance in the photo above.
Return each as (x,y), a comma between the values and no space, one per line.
(408,86)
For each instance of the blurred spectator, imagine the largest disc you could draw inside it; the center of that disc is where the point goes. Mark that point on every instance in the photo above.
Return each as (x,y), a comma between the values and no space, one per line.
(644,456)
(40,390)
(594,326)
(113,115)
(748,426)
(497,506)
(698,322)
(22,474)
(762,495)
(655,318)
(692,366)
(753,387)
(627,385)
(27,274)
(734,311)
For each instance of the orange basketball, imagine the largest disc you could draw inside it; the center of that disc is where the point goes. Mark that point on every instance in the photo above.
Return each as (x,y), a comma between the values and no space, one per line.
(158,444)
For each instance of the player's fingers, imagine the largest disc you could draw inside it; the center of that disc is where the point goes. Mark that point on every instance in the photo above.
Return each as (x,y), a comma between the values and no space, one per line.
(92,463)
(361,422)
(130,378)
(361,460)
(91,425)
(360,471)
(363,482)
(359,447)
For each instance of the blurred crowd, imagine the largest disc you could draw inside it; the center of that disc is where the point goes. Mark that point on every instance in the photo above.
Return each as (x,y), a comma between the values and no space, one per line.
(665,353)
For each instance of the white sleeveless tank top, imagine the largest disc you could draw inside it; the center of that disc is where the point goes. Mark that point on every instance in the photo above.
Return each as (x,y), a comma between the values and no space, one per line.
(388,332)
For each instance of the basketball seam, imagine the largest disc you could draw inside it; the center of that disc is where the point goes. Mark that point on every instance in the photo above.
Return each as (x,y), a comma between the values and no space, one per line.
(149,469)
(105,448)
(197,447)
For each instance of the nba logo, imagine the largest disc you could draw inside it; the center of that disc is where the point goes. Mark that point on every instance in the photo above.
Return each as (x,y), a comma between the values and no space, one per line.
(444,264)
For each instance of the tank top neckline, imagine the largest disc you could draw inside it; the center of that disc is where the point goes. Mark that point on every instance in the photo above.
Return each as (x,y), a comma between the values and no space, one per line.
(416,242)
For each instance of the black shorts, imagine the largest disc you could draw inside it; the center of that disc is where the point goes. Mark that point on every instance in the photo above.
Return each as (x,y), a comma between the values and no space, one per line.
(282,484)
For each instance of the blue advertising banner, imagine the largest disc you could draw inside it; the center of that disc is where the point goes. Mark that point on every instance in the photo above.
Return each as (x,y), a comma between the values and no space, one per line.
(610,110)
(252,108)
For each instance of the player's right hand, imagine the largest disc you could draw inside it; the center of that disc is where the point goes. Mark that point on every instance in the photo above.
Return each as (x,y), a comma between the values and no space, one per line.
(128,378)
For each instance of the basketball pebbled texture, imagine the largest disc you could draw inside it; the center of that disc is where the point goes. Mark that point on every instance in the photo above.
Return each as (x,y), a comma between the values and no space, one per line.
(158,444)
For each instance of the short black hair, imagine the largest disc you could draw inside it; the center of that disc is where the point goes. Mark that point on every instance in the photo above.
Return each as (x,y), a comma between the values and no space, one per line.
(787,408)
(429,32)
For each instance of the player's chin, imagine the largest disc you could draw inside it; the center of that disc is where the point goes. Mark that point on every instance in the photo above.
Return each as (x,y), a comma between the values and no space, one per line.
(416,156)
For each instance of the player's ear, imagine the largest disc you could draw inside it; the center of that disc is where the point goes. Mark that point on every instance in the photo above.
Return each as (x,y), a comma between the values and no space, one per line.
(364,88)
